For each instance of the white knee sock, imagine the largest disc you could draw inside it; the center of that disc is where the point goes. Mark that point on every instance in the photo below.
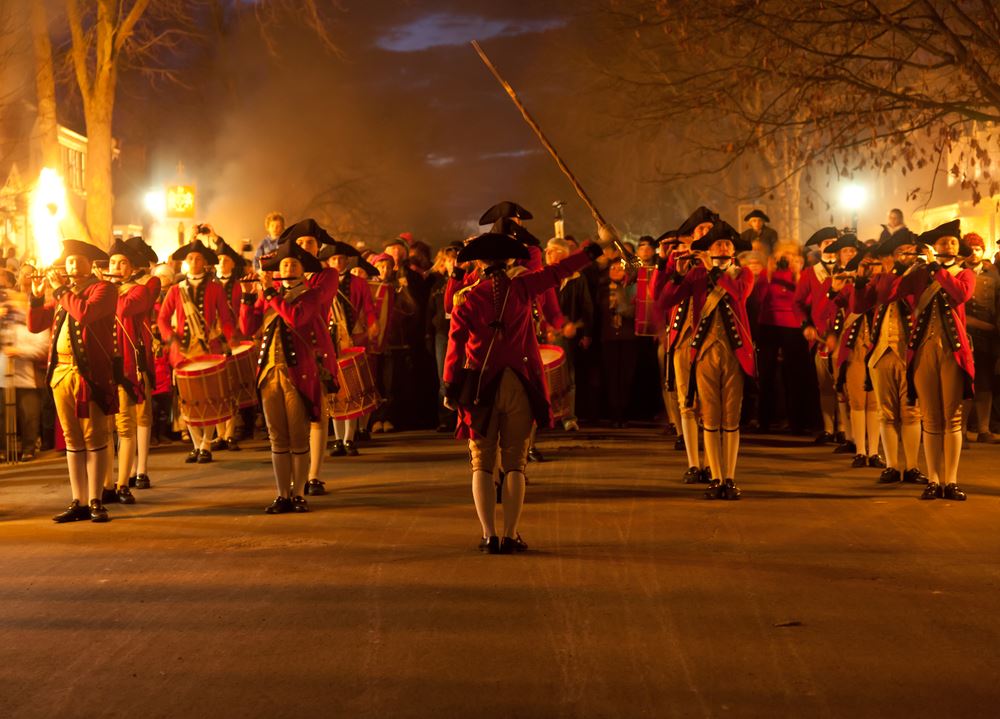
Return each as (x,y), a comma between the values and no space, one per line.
(317,447)
(890,444)
(142,437)
(731,452)
(282,464)
(338,428)
(108,465)
(484,494)
(934,453)
(689,428)
(952,453)
(858,430)
(827,405)
(301,467)
(871,428)
(513,502)
(197,435)
(77,465)
(713,452)
(126,453)
(911,443)
(350,427)
(97,461)
(844,422)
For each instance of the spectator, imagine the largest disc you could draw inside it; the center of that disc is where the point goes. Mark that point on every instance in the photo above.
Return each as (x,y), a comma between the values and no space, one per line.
(982,314)
(274,223)
(616,310)
(762,237)
(895,224)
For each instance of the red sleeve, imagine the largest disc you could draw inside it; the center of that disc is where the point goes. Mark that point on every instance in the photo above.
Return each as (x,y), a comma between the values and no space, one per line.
(167,310)
(298,313)
(537,281)
(803,293)
(251,314)
(458,335)
(224,310)
(97,304)
(550,309)
(137,301)
(959,287)
(40,316)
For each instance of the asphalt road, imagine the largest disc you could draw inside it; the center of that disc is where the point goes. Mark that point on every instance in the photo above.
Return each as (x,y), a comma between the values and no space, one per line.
(818,594)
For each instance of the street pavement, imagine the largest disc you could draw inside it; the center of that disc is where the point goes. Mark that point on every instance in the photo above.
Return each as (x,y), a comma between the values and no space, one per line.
(819,594)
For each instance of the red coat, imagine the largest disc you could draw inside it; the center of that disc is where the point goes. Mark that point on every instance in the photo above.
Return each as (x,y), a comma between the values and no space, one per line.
(851,302)
(325,282)
(778,307)
(308,348)
(216,312)
(470,337)
(812,300)
(955,291)
(362,305)
(738,289)
(93,313)
(135,340)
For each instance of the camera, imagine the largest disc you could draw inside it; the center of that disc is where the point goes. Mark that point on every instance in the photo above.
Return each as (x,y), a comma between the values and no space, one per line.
(202,230)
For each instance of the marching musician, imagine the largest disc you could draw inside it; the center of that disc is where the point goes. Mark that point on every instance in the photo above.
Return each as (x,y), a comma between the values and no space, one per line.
(940,365)
(135,406)
(292,377)
(494,378)
(203,323)
(81,368)
(722,351)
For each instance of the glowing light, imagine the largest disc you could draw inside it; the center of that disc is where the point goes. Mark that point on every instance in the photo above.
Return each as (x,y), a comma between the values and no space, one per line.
(48,208)
(853,197)
(155,202)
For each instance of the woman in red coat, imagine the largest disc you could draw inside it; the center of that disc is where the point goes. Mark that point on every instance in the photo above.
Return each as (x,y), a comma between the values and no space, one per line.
(493,374)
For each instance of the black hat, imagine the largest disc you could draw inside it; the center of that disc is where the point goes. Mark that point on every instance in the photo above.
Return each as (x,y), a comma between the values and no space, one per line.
(337,248)
(948,229)
(291,249)
(670,237)
(306,228)
(234,256)
(698,217)
(646,240)
(142,249)
(493,246)
(855,262)
(181,253)
(83,249)
(824,233)
(504,209)
(506,226)
(722,230)
(756,213)
(844,241)
(122,247)
(900,237)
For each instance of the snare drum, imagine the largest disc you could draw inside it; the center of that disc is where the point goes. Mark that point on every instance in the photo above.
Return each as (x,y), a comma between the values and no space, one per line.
(242,368)
(357,394)
(204,395)
(556,380)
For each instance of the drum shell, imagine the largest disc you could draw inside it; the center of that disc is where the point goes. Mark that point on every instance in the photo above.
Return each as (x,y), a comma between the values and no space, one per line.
(357,395)
(242,369)
(204,394)
(557,380)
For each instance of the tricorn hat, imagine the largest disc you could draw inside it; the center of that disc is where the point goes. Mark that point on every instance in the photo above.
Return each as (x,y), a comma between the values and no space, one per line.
(824,233)
(337,248)
(855,262)
(142,249)
(948,229)
(493,246)
(82,249)
(291,249)
(181,253)
(898,238)
(506,226)
(232,254)
(670,237)
(722,230)
(756,213)
(121,247)
(698,217)
(844,241)
(504,209)
(306,228)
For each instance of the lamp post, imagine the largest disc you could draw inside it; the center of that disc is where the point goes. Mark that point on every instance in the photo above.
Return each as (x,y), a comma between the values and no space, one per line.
(853,197)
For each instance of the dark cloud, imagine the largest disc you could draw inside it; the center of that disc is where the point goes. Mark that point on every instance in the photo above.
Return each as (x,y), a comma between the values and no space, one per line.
(443,29)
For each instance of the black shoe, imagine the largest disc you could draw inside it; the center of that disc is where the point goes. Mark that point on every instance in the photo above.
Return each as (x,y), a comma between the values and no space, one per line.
(204,457)
(714,490)
(706,475)
(232,446)
(519,544)
(951,491)
(314,488)
(192,457)
(692,476)
(859,461)
(730,490)
(73,513)
(280,505)
(679,444)
(889,476)
(351,449)
(493,545)
(123,495)
(362,435)
(914,476)
(508,545)
(97,512)
(932,491)
(534,455)
(218,445)
(132,480)
(824,438)
(484,545)
(108,496)
(338,449)
(876,462)
(299,504)
(846,448)
(141,482)
(839,438)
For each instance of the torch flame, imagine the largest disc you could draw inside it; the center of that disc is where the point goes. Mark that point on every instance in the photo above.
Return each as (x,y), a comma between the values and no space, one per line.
(48,208)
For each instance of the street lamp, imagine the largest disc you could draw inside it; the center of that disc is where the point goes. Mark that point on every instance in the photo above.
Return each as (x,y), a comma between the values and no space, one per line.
(155,202)
(853,197)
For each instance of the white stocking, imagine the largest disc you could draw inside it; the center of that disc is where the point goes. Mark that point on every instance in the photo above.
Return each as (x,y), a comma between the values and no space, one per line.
(858,430)
(301,466)
(77,464)
(731,452)
(871,428)
(317,447)
(513,501)
(126,453)
(890,444)
(282,464)
(97,460)
(689,428)
(142,436)
(911,444)
(843,420)
(338,428)
(934,453)
(713,452)
(350,427)
(484,494)
(197,435)
(952,453)
(108,465)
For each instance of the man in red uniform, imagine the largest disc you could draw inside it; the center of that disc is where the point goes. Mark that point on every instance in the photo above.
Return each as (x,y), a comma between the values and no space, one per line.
(494,377)
(290,371)
(82,317)
(203,323)
(135,302)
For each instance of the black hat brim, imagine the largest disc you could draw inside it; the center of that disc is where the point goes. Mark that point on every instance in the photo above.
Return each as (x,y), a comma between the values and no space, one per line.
(181,253)
(142,250)
(824,233)
(306,228)
(493,246)
(79,248)
(756,213)
(504,209)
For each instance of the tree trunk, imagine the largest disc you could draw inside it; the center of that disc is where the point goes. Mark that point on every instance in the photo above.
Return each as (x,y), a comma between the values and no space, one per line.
(45,86)
(100,147)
